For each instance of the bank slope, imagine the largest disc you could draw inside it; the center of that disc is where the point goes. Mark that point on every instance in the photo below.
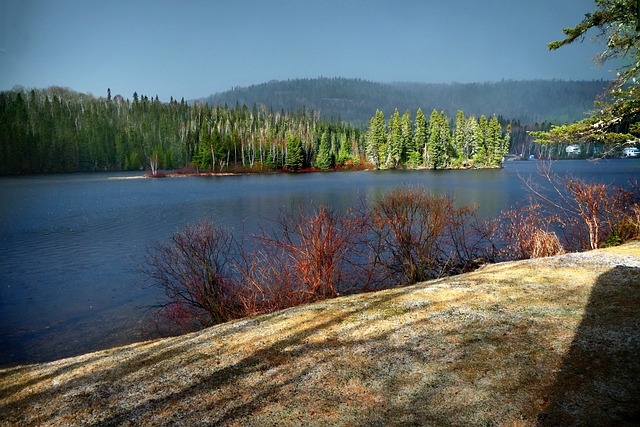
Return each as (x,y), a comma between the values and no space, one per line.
(542,342)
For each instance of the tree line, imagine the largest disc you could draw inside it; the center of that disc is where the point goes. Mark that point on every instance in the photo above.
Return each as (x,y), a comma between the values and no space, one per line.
(60,130)
(436,143)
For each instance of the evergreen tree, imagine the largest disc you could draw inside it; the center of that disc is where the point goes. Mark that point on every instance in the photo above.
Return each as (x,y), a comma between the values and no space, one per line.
(495,143)
(480,142)
(459,136)
(616,120)
(436,142)
(395,139)
(295,155)
(323,160)
(445,142)
(344,155)
(506,141)
(375,139)
(419,137)
(471,125)
(334,146)
(203,156)
(406,143)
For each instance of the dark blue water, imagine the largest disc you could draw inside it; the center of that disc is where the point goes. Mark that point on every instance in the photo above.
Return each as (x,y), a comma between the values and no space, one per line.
(70,245)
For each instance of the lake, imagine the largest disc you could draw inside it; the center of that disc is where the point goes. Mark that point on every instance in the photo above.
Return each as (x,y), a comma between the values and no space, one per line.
(71,245)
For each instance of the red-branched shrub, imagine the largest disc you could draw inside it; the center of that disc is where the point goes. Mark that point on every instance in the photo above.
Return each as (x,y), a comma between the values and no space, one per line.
(588,214)
(195,271)
(409,235)
(304,258)
(423,235)
(525,233)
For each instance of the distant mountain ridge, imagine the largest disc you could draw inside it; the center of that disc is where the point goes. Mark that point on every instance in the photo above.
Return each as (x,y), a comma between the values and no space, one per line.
(356,100)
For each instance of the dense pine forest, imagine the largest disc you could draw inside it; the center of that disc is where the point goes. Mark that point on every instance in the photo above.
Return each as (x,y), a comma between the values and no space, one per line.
(60,130)
(434,143)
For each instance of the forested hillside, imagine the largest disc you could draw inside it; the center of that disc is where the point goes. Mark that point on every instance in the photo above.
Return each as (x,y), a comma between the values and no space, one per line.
(60,130)
(355,100)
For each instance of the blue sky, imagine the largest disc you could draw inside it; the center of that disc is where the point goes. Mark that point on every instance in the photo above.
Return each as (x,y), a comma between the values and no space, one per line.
(192,48)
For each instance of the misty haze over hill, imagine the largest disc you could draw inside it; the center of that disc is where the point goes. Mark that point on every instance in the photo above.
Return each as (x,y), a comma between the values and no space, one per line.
(356,100)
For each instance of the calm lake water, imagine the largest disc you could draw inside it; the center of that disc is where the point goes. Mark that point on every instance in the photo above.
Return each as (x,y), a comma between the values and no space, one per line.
(70,245)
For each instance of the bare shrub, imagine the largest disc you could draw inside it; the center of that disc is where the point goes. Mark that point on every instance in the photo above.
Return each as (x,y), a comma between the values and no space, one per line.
(304,258)
(408,236)
(269,283)
(588,213)
(525,234)
(545,243)
(597,211)
(195,271)
(470,241)
(426,236)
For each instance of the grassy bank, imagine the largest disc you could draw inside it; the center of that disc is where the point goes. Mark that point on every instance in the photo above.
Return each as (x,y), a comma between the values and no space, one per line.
(551,341)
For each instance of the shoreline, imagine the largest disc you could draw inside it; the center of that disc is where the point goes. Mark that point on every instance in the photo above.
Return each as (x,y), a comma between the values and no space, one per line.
(163,174)
(506,344)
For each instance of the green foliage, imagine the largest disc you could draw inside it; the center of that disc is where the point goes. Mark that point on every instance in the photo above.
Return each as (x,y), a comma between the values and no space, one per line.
(420,135)
(614,119)
(344,155)
(376,139)
(395,140)
(496,149)
(414,160)
(433,144)
(324,159)
(438,141)
(480,141)
(59,130)
(406,141)
(295,154)
(612,240)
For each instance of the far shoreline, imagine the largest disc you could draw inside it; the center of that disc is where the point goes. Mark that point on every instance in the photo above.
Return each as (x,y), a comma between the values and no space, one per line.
(183,174)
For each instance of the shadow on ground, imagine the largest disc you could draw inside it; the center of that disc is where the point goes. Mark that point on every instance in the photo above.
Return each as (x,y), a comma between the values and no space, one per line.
(599,382)
(318,372)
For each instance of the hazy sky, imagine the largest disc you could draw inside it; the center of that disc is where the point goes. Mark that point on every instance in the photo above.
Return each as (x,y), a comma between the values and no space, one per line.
(189,49)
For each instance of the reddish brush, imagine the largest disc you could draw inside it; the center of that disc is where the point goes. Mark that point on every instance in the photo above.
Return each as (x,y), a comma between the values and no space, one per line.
(590,214)
(525,234)
(426,235)
(193,270)
(408,236)
(307,257)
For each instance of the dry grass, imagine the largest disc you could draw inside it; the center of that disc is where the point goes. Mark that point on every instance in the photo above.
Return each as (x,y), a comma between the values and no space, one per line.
(551,341)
